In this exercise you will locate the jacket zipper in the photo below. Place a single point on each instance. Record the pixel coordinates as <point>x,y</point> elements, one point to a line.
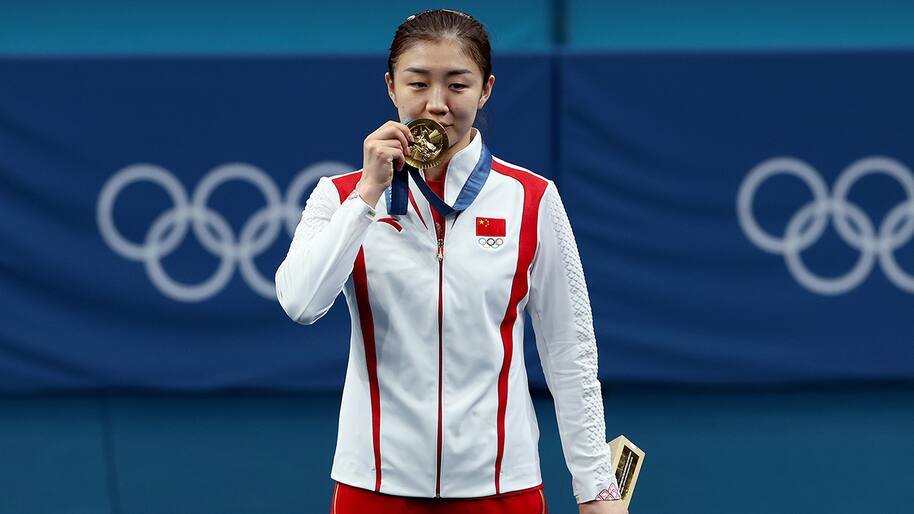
<point>440,353</point>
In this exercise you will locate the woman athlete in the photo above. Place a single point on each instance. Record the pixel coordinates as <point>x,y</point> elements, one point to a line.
<point>436,415</point>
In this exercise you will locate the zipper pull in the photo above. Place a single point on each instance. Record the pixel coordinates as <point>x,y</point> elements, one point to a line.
<point>440,250</point>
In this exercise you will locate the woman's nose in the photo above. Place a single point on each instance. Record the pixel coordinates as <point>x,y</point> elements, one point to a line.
<point>437,102</point>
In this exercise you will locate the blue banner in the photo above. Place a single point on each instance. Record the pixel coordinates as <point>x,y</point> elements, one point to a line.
<point>145,205</point>
<point>742,218</point>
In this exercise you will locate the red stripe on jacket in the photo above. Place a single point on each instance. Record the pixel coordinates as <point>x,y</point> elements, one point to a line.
<point>416,208</point>
<point>534,188</point>
<point>344,185</point>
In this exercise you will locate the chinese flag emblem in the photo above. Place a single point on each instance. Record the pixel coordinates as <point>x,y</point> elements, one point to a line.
<point>490,227</point>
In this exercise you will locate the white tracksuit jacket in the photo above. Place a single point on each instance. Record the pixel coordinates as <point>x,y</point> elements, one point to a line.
<point>436,401</point>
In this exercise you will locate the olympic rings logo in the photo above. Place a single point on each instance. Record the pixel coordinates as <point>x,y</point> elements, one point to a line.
<point>210,228</point>
<point>807,225</point>
<point>491,242</point>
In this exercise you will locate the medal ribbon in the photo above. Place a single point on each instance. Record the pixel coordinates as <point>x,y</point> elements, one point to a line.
<point>398,192</point>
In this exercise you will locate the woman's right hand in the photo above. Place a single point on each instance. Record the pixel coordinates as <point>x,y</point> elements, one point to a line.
<point>382,150</point>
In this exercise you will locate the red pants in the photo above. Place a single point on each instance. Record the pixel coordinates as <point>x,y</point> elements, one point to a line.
<point>353,500</point>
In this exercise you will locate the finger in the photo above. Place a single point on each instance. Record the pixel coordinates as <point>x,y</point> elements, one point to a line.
<point>397,131</point>
<point>402,127</point>
<point>392,145</point>
<point>395,155</point>
<point>382,147</point>
<point>397,158</point>
<point>408,133</point>
<point>389,129</point>
<point>398,161</point>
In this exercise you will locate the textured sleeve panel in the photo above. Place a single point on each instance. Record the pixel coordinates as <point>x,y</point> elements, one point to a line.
<point>323,251</point>
<point>565,339</point>
<point>318,210</point>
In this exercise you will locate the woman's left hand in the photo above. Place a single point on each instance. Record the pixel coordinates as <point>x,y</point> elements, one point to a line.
<point>603,507</point>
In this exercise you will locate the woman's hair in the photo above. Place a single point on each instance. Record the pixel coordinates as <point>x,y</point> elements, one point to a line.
<point>440,24</point>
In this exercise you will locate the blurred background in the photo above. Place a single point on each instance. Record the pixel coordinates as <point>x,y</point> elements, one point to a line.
<point>738,176</point>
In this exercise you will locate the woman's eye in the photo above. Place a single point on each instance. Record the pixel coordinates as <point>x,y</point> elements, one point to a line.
<point>423,84</point>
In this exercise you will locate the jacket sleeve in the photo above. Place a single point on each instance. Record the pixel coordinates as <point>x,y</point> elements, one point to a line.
<point>324,248</point>
<point>559,307</point>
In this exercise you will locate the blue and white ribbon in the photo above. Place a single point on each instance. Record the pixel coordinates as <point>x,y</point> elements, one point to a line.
<point>398,192</point>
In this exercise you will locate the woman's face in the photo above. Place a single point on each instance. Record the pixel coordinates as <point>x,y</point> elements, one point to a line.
<point>436,80</point>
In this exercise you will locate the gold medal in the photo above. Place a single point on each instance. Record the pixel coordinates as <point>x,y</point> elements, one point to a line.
<point>427,151</point>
